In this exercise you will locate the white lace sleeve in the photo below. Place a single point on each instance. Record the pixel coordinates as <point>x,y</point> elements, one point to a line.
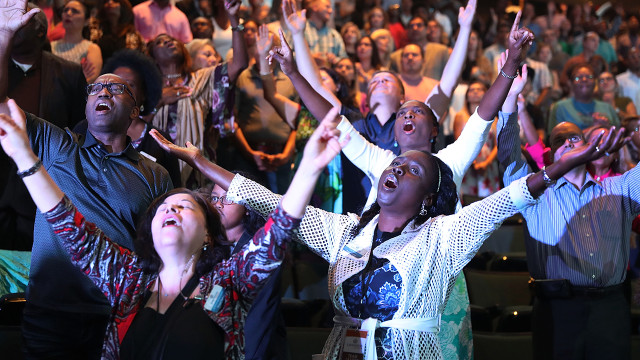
<point>363,154</point>
<point>464,232</point>
<point>323,232</point>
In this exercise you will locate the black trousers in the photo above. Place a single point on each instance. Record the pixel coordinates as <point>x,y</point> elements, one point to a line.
<point>62,335</point>
<point>582,327</point>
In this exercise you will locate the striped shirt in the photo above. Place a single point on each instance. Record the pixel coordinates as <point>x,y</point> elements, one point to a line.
<point>577,234</point>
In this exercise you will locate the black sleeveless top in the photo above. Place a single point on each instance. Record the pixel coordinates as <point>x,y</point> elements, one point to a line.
<point>184,331</point>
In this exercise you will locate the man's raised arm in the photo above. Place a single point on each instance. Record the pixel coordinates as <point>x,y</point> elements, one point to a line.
<point>13,15</point>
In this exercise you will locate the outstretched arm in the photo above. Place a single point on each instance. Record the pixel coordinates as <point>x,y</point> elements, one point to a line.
<point>296,21</point>
<point>240,57</point>
<point>321,148</point>
<point>285,107</point>
<point>519,42</point>
<point>13,16</point>
<point>15,143</point>
<point>576,157</point>
<point>317,105</point>
<point>453,68</point>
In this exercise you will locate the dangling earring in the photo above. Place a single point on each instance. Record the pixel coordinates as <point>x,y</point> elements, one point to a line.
<point>141,108</point>
<point>205,246</point>
<point>395,143</point>
<point>423,211</point>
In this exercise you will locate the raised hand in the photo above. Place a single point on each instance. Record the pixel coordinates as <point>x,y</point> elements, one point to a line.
<point>283,55</point>
<point>13,133</point>
<point>187,154</point>
<point>264,40</point>
<point>465,15</point>
<point>519,40</point>
<point>596,149</point>
<point>295,20</point>
<point>232,7</point>
<point>14,15</point>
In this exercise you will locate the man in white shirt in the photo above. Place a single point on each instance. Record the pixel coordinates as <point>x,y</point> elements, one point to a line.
<point>629,81</point>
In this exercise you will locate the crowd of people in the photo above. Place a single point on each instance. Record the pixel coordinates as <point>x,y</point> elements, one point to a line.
<point>202,138</point>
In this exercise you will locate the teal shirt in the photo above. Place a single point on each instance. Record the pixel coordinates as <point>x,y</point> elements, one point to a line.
<point>579,114</point>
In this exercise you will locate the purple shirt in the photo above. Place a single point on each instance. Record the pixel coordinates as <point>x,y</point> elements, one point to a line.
<point>151,20</point>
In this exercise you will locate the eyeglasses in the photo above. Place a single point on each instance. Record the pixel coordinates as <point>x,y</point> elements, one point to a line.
<point>222,199</point>
<point>583,78</point>
<point>113,88</point>
<point>604,79</point>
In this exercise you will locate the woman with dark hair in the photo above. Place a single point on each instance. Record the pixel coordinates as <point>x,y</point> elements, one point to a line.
<point>73,46</point>
<point>368,61</point>
<point>264,322</point>
<point>115,29</point>
<point>391,271</point>
<point>346,68</point>
<point>188,97</point>
<point>176,296</point>
<point>375,19</point>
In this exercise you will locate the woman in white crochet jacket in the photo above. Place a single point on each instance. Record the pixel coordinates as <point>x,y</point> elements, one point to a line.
<point>403,252</point>
<point>390,271</point>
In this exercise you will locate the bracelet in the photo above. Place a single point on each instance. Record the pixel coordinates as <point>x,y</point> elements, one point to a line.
<point>547,180</point>
<point>32,170</point>
<point>508,76</point>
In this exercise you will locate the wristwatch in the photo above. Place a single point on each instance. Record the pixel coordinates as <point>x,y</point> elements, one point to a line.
<point>240,27</point>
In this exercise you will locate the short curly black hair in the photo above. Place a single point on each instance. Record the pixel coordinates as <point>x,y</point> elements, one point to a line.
<point>146,68</point>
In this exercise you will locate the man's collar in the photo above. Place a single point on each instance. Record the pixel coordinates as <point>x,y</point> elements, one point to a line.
<point>129,151</point>
<point>26,68</point>
<point>587,180</point>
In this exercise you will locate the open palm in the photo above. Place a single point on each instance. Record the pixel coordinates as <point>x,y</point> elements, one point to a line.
<point>264,40</point>
<point>13,15</point>
<point>187,154</point>
<point>465,15</point>
<point>295,20</point>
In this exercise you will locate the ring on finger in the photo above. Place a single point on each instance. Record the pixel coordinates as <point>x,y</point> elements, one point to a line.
<point>597,149</point>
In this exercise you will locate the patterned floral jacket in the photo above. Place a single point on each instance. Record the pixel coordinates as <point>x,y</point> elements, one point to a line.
<point>116,272</point>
